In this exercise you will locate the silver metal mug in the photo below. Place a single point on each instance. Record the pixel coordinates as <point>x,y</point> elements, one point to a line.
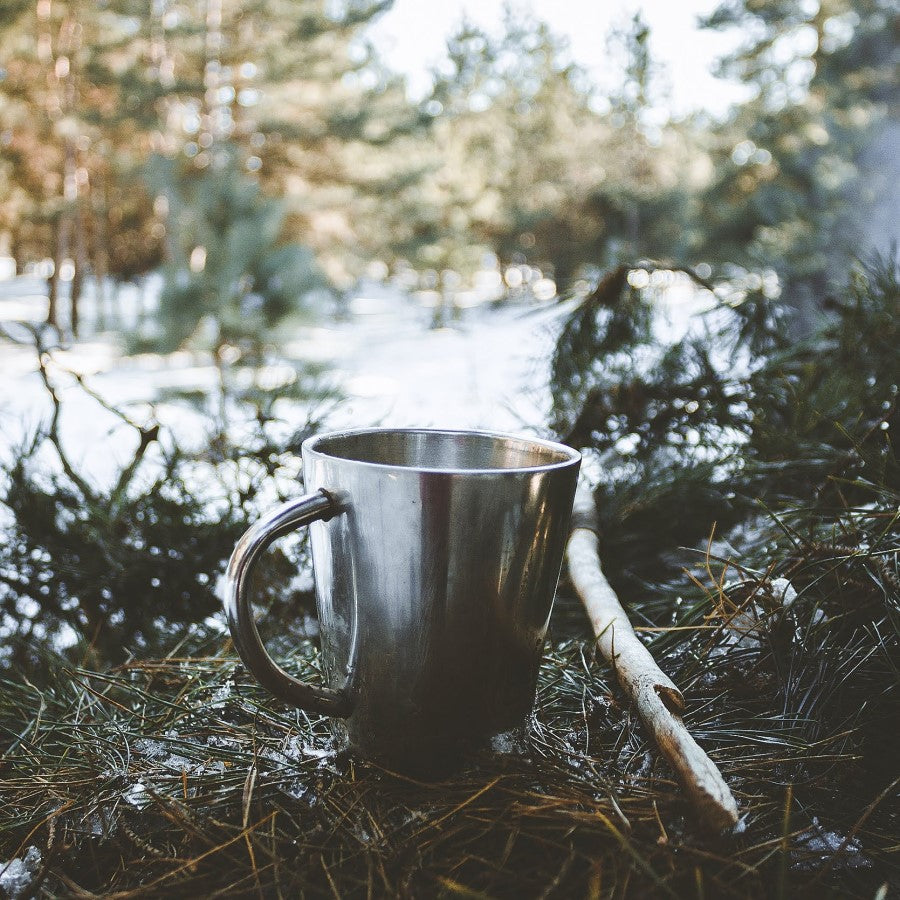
<point>436,556</point>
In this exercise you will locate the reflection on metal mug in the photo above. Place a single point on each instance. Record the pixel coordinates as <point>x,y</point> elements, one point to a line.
<point>436,556</point>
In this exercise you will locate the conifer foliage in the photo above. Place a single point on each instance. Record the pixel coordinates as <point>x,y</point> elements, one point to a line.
<point>229,266</point>
<point>101,570</point>
<point>734,418</point>
<point>748,493</point>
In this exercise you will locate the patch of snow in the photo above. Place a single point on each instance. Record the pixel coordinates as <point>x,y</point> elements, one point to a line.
<point>138,795</point>
<point>784,591</point>
<point>222,743</point>
<point>222,695</point>
<point>510,743</point>
<point>816,845</point>
<point>297,790</point>
<point>297,749</point>
<point>746,628</point>
<point>176,762</point>
<point>18,875</point>
<point>150,749</point>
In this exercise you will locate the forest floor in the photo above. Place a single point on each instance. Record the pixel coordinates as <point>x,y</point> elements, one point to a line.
<point>177,776</point>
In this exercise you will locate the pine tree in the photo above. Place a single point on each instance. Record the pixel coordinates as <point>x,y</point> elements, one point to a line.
<point>530,167</point>
<point>306,103</point>
<point>229,267</point>
<point>732,422</point>
<point>292,86</point>
<point>653,164</point>
<point>42,141</point>
<point>789,190</point>
<point>80,115</point>
<point>554,158</point>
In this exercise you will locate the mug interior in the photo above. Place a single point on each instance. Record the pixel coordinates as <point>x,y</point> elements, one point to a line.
<point>444,450</point>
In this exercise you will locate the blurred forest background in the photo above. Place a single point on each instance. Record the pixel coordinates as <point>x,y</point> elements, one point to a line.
<point>196,139</point>
<point>248,166</point>
<point>243,168</point>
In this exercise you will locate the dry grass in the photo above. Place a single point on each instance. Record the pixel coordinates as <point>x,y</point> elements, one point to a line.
<point>179,777</point>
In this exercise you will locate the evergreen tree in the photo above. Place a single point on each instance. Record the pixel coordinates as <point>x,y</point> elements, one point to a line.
<point>43,139</point>
<point>731,421</point>
<point>306,103</point>
<point>292,86</point>
<point>531,167</point>
<point>229,267</point>
<point>554,157</point>
<point>652,165</point>
<point>81,113</point>
<point>439,226</point>
<point>789,190</point>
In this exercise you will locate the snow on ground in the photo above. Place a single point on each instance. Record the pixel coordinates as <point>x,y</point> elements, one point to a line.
<point>486,370</point>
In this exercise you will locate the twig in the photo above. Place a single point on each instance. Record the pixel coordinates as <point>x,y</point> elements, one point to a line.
<point>147,434</point>
<point>53,428</point>
<point>658,701</point>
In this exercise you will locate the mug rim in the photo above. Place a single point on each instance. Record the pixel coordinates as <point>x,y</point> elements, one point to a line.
<point>571,456</point>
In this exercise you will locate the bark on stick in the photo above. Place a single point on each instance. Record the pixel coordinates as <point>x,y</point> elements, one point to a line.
<point>658,701</point>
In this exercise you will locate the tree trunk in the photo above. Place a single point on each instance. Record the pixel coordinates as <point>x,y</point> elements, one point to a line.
<point>438,316</point>
<point>99,265</point>
<point>81,261</point>
<point>74,299</point>
<point>108,294</point>
<point>60,245</point>
<point>15,250</point>
<point>634,229</point>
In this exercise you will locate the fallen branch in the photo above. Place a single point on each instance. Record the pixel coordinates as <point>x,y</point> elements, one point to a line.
<point>659,703</point>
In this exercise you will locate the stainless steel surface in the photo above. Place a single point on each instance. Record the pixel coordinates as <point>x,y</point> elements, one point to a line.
<point>434,583</point>
<point>238,612</point>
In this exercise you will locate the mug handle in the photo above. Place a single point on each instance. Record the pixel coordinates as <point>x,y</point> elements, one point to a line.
<point>285,518</point>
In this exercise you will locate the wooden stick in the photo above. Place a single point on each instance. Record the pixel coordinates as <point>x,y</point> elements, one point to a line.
<point>658,701</point>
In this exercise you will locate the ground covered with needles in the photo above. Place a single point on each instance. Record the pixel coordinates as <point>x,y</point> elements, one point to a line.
<point>179,777</point>
<point>750,521</point>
